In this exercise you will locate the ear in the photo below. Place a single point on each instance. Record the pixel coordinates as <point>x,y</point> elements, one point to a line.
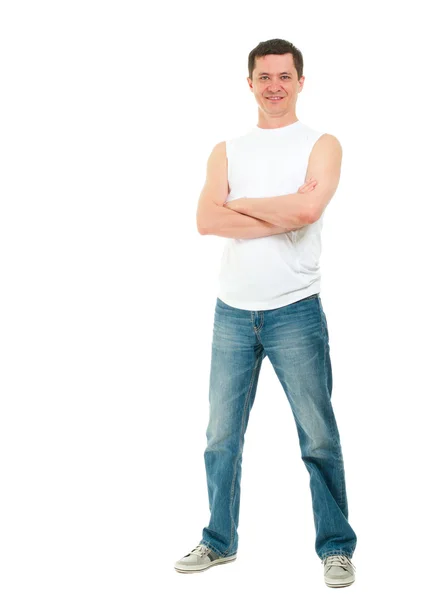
<point>324,165</point>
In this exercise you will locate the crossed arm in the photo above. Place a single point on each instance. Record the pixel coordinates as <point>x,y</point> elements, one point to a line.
<point>289,211</point>
<point>235,224</point>
<point>293,211</point>
<point>240,223</point>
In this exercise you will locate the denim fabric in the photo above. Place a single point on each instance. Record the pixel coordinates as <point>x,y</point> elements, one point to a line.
<point>295,339</point>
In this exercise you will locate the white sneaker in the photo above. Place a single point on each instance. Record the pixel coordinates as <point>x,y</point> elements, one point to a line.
<point>338,571</point>
<point>200,559</point>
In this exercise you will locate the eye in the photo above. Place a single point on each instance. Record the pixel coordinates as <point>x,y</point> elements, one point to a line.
<point>287,76</point>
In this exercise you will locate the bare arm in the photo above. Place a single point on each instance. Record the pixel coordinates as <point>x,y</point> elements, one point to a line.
<point>289,210</point>
<point>228,223</point>
<point>213,218</point>
<point>324,167</point>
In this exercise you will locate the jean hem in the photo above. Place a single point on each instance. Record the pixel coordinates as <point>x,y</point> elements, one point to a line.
<point>348,553</point>
<point>211,547</point>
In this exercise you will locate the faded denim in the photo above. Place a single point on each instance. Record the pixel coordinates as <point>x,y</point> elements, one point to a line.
<point>295,339</point>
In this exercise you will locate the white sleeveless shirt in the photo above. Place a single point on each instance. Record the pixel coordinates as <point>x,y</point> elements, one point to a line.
<point>276,270</point>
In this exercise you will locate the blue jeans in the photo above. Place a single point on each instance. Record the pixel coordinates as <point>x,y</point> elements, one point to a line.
<point>295,339</point>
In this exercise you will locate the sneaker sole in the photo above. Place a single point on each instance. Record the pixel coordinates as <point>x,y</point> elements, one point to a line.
<point>218,561</point>
<point>331,583</point>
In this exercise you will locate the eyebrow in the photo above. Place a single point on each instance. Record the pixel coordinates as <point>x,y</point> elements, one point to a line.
<point>284,73</point>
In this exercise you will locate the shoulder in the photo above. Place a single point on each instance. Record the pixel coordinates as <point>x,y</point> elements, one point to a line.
<point>327,140</point>
<point>219,147</point>
<point>218,152</point>
<point>326,147</point>
<point>326,153</point>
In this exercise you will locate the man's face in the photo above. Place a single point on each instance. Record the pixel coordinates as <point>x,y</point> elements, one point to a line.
<point>275,75</point>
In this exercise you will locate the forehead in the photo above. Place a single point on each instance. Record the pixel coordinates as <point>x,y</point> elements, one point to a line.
<point>274,64</point>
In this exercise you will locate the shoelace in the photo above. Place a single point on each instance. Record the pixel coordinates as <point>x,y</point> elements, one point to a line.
<point>338,560</point>
<point>200,550</point>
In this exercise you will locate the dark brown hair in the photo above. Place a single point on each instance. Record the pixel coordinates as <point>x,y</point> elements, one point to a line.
<point>276,46</point>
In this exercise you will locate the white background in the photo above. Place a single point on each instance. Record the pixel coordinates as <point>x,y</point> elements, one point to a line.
<point>109,111</point>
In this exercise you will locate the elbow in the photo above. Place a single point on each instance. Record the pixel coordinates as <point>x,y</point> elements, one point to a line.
<point>202,229</point>
<point>201,222</point>
<point>309,217</point>
<point>199,225</point>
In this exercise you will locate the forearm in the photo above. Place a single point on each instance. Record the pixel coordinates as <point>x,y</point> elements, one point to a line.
<point>232,224</point>
<point>288,211</point>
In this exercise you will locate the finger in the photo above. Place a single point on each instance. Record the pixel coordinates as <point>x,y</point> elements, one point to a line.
<point>308,184</point>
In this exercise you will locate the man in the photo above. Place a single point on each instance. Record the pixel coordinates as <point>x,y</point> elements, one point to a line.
<point>269,305</point>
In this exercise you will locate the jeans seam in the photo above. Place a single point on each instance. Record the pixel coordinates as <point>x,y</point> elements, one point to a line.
<point>348,553</point>
<point>238,454</point>
<point>209,545</point>
<point>338,445</point>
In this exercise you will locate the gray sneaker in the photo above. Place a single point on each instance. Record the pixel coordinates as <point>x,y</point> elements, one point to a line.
<point>339,571</point>
<point>200,559</point>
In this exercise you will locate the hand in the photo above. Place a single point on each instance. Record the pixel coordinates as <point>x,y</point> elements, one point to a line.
<point>307,186</point>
